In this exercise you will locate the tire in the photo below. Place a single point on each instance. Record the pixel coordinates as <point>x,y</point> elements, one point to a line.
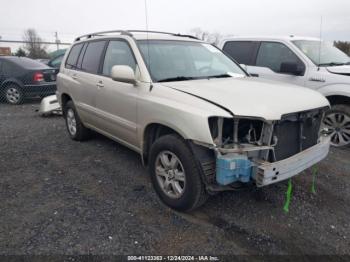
<point>76,130</point>
<point>336,124</point>
<point>179,171</point>
<point>13,94</point>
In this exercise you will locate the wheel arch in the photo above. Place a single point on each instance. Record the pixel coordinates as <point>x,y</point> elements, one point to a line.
<point>12,81</point>
<point>151,133</point>
<point>64,99</point>
<point>338,100</point>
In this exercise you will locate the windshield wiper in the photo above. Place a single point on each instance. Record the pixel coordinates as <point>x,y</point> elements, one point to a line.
<point>331,64</point>
<point>219,76</point>
<point>177,78</point>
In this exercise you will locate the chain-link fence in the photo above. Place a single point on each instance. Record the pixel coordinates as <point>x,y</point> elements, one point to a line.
<point>23,78</point>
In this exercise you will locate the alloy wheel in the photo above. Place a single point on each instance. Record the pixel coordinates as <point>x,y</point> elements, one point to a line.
<point>13,95</point>
<point>71,122</point>
<point>170,174</point>
<point>337,126</point>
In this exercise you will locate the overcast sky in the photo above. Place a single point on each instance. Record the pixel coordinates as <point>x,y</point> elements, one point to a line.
<point>229,17</point>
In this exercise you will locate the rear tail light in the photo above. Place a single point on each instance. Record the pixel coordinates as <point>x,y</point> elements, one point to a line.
<point>38,77</point>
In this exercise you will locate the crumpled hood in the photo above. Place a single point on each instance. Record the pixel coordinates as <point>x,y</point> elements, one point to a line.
<point>253,97</point>
<point>341,70</point>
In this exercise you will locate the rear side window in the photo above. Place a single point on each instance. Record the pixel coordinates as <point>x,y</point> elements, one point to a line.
<point>92,56</point>
<point>80,59</point>
<point>273,54</point>
<point>118,53</point>
<point>73,56</point>
<point>244,52</point>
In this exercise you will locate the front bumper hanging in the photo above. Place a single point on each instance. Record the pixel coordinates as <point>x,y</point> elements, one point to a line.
<point>270,173</point>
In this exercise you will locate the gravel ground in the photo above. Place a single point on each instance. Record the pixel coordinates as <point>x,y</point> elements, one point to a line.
<point>64,197</point>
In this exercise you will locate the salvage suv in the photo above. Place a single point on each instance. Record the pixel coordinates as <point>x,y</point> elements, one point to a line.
<point>199,122</point>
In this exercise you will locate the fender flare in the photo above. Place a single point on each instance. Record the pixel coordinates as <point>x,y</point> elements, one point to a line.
<point>13,81</point>
<point>335,90</point>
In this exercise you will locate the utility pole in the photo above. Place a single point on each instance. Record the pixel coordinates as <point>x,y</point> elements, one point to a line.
<point>57,41</point>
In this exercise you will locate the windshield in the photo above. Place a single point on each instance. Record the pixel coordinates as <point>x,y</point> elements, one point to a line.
<point>325,54</point>
<point>183,60</point>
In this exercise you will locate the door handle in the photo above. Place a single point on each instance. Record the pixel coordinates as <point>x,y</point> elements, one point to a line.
<point>75,77</point>
<point>254,75</point>
<point>100,84</point>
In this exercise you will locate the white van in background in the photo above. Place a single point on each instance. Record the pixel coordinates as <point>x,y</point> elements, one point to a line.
<point>303,61</point>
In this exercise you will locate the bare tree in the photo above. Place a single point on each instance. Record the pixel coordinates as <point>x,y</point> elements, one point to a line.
<point>344,46</point>
<point>33,45</point>
<point>211,37</point>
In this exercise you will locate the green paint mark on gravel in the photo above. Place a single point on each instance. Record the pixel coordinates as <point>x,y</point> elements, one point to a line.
<point>288,196</point>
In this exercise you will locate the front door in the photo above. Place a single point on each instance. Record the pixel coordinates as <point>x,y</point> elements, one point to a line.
<point>116,101</point>
<point>269,59</point>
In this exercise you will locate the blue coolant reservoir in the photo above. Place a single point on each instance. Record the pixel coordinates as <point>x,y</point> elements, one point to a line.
<point>233,167</point>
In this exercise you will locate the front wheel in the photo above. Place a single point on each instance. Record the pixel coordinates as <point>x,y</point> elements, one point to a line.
<point>336,124</point>
<point>175,175</point>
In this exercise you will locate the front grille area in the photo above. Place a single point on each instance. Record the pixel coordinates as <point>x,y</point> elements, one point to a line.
<point>296,132</point>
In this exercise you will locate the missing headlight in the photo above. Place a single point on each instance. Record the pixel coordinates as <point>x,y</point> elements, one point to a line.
<point>223,130</point>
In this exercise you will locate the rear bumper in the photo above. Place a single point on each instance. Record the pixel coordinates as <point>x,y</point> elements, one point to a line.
<point>270,173</point>
<point>42,89</point>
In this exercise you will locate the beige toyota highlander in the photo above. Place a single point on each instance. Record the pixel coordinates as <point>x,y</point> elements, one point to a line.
<point>199,121</point>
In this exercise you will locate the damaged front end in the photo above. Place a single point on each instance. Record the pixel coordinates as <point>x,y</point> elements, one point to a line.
<point>249,150</point>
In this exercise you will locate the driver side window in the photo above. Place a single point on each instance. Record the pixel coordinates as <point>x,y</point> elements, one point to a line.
<point>118,53</point>
<point>273,54</point>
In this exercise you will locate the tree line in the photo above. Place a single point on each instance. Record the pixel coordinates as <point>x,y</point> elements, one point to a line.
<point>33,47</point>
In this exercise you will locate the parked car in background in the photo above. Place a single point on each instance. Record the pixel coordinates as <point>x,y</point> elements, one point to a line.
<point>302,61</point>
<point>22,77</point>
<point>56,61</point>
<point>43,60</point>
<point>56,58</point>
<point>199,122</point>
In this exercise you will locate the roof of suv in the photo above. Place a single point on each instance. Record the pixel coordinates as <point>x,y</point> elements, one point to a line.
<point>164,37</point>
<point>138,35</point>
<point>271,38</point>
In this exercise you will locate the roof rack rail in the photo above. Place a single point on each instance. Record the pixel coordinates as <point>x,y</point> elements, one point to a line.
<point>129,33</point>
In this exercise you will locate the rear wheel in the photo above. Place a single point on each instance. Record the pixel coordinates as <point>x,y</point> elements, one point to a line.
<point>336,124</point>
<point>76,130</point>
<point>13,94</point>
<point>175,175</point>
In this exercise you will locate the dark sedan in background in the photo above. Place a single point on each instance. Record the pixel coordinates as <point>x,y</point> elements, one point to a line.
<point>22,77</point>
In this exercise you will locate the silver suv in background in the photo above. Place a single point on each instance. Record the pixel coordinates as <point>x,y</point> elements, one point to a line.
<point>199,122</point>
<point>302,61</point>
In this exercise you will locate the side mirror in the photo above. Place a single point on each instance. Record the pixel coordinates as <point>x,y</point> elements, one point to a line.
<point>123,73</point>
<point>290,68</point>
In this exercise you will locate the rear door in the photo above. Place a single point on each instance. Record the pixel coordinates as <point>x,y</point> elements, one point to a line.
<point>116,102</point>
<point>268,63</point>
<point>84,74</point>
